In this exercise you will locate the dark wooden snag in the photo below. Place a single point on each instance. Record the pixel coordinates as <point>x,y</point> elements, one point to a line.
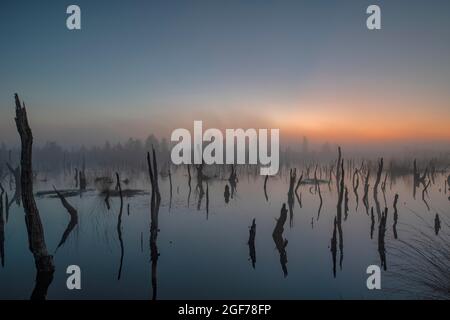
<point>43,260</point>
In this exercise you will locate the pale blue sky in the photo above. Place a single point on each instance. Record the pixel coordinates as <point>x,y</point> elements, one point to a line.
<point>150,66</point>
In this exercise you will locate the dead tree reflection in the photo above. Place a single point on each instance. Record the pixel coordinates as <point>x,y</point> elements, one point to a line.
<point>207,200</point>
<point>333,247</point>
<point>226,194</point>
<point>233,180</point>
<point>265,188</point>
<point>375,188</point>
<point>366,191</point>
<point>381,241</point>
<point>372,223</point>
<point>437,224</point>
<point>73,218</point>
<point>2,228</point>
<point>339,215</point>
<point>424,191</point>
<point>280,242</point>
<point>119,226</point>
<point>355,183</point>
<point>417,178</point>
<point>189,184</point>
<point>251,243</point>
<point>154,212</point>
<point>299,196</point>
<point>394,228</point>
<point>292,180</point>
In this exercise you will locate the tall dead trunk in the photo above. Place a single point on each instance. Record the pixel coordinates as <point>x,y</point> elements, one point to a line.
<point>43,260</point>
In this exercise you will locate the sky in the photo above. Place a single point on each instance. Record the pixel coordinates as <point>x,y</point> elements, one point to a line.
<point>310,68</point>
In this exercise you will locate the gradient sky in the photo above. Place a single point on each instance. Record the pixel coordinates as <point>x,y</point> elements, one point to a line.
<point>307,67</point>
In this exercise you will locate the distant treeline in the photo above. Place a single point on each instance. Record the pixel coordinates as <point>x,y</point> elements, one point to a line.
<point>53,157</point>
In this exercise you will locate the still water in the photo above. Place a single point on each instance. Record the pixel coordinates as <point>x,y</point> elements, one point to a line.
<point>204,252</point>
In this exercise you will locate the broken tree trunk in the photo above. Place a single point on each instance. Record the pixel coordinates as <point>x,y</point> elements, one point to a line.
<point>43,261</point>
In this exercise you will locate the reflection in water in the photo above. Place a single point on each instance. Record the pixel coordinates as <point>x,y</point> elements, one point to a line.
<point>372,223</point>
<point>346,204</point>
<point>333,247</point>
<point>254,206</point>
<point>73,218</point>
<point>43,281</point>
<point>375,188</point>
<point>265,188</point>
<point>2,228</point>
<point>381,235</point>
<point>437,224</point>
<point>226,194</point>
<point>233,180</point>
<point>207,200</point>
<point>251,243</point>
<point>281,243</point>
<point>154,212</point>
<point>424,191</point>
<point>189,184</point>
<point>119,226</point>
<point>417,178</point>
<point>299,196</point>
<point>339,215</point>
<point>355,182</point>
<point>292,179</point>
<point>394,228</point>
<point>7,206</point>
<point>366,191</point>
<point>170,188</point>
<point>201,194</point>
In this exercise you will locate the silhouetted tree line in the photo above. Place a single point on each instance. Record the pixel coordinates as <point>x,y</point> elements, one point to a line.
<point>52,157</point>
